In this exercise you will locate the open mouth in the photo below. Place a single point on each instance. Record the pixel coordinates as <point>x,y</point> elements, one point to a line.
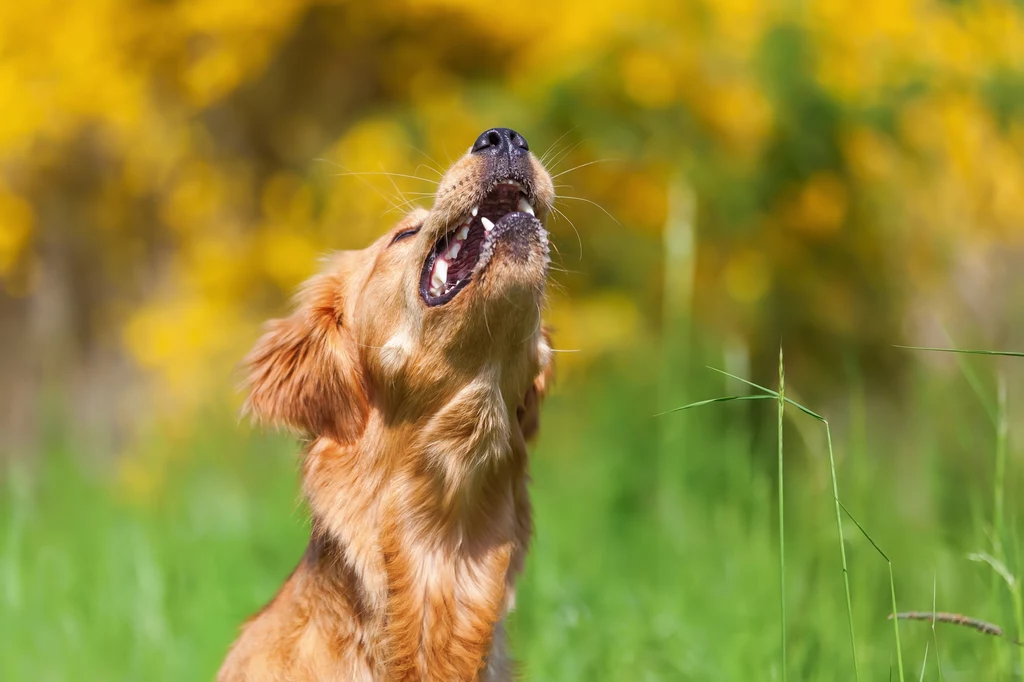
<point>465,250</point>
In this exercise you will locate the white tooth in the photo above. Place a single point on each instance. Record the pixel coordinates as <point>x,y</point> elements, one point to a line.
<point>441,270</point>
<point>476,209</point>
<point>488,225</point>
<point>463,233</point>
<point>524,206</point>
<point>453,252</point>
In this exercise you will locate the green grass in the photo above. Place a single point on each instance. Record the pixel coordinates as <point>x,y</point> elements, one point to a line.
<point>621,584</point>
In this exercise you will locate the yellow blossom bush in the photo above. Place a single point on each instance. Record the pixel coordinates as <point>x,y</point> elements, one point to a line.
<point>175,169</point>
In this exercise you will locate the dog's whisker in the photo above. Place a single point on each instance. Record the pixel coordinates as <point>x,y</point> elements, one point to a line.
<point>371,173</point>
<point>348,171</point>
<point>551,147</point>
<point>593,203</point>
<point>582,165</point>
<point>436,167</point>
<point>566,218</point>
<point>563,155</point>
<point>428,167</point>
<point>394,184</point>
<point>382,195</point>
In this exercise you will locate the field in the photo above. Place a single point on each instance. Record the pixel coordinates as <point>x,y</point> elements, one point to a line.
<point>837,177</point>
<point>656,555</point>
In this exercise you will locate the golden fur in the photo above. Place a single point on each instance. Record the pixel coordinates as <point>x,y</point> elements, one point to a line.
<point>415,470</point>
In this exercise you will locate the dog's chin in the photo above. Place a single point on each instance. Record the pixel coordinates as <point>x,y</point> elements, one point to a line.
<point>515,273</point>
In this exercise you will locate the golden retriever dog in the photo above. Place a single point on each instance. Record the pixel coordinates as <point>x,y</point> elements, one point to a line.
<point>414,368</point>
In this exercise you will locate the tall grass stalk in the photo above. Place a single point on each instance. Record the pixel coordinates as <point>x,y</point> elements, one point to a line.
<point>842,552</point>
<point>782,525</point>
<point>1013,584</point>
<point>998,562</point>
<point>1018,615</point>
<point>780,396</point>
<point>999,482</point>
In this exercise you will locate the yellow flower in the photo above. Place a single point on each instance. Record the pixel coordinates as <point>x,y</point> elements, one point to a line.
<point>16,221</point>
<point>747,276</point>
<point>819,207</point>
<point>648,79</point>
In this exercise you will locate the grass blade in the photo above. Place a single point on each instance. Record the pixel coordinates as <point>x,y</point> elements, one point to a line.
<point>724,399</point>
<point>935,639</point>
<point>1016,595</point>
<point>770,392</point>
<point>997,566</point>
<point>965,351</point>
<point>842,549</point>
<point>999,482</point>
<point>895,622</point>
<point>782,525</point>
<point>969,374</point>
<point>892,587</point>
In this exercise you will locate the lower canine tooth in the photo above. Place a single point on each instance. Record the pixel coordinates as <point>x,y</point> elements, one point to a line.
<point>524,206</point>
<point>488,225</point>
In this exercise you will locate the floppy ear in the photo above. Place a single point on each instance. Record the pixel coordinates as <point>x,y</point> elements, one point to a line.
<point>304,371</point>
<point>529,412</point>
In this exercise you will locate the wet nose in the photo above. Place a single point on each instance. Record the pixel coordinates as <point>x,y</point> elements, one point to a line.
<point>501,142</point>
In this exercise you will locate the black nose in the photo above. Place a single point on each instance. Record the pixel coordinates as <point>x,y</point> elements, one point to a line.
<point>501,141</point>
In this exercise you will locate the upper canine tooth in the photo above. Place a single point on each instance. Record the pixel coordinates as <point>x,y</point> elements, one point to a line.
<point>525,206</point>
<point>441,270</point>
<point>488,225</point>
<point>476,209</point>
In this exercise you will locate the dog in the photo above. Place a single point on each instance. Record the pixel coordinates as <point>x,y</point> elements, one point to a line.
<point>415,369</point>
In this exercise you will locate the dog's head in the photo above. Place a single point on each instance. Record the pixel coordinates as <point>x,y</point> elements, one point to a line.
<point>447,297</point>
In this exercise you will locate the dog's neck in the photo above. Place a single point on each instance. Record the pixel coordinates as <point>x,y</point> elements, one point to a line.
<point>430,522</point>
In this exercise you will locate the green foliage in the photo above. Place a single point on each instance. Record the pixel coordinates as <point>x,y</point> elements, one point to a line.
<point>620,584</point>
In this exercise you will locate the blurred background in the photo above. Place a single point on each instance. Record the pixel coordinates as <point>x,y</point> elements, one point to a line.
<point>834,177</point>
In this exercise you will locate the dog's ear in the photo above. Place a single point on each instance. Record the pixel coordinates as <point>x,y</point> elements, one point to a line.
<point>529,412</point>
<point>304,372</point>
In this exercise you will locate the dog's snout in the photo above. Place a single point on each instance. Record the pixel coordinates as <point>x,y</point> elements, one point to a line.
<point>501,142</point>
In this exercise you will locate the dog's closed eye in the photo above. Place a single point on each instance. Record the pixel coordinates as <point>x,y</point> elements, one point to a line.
<point>406,233</point>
